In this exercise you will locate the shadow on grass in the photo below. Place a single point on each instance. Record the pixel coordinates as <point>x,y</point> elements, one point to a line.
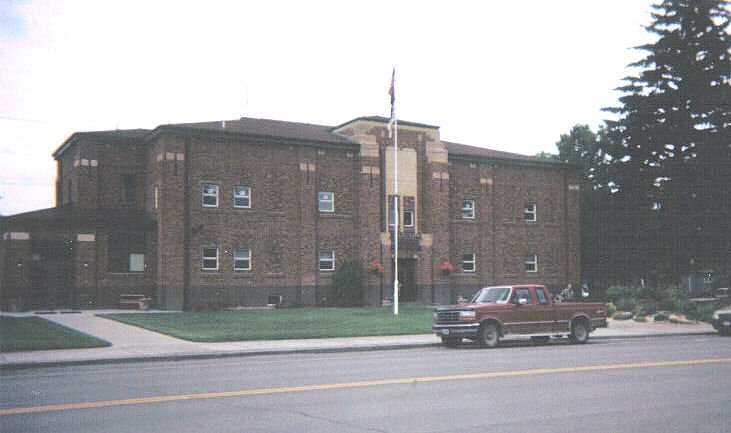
<point>18,334</point>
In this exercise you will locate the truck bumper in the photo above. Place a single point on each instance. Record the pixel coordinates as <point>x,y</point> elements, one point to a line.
<point>464,330</point>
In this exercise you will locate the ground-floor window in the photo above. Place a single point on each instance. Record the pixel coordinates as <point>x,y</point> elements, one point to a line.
<point>242,259</point>
<point>209,259</point>
<point>531,263</point>
<point>327,260</point>
<point>468,262</point>
<point>126,252</point>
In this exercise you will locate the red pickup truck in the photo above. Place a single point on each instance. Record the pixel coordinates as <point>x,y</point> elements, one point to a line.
<point>527,310</point>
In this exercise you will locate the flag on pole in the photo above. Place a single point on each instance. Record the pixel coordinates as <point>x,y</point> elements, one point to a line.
<point>392,93</point>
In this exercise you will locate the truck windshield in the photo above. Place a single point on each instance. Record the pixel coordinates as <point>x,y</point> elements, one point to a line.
<point>491,295</point>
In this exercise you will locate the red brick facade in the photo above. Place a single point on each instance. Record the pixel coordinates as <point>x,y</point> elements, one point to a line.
<point>223,214</point>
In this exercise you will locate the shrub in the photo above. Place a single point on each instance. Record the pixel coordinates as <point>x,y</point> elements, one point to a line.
<point>348,285</point>
<point>625,298</point>
<point>611,309</point>
<point>661,316</point>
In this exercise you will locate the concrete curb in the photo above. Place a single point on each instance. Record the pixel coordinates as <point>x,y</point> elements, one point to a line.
<point>301,350</point>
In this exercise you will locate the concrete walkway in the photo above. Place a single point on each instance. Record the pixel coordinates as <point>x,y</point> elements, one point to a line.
<point>130,343</point>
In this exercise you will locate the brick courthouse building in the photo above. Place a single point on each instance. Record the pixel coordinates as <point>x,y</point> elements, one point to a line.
<point>228,213</point>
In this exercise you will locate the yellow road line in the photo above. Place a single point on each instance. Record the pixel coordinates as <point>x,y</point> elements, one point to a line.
<point>359,384</point>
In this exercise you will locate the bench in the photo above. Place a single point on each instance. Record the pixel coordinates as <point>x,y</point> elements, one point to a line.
<point>132,299</point>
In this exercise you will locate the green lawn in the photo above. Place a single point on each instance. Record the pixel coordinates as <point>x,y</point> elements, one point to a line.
<point>270,324</point>
<point>33,333</point>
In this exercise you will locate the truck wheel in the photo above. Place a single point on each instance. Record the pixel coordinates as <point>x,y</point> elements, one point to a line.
<point>451,342</point>
<point>579,332</point>
<point>489,336</point>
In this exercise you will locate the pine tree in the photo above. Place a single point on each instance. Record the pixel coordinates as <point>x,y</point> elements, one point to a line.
<point>671,157</point>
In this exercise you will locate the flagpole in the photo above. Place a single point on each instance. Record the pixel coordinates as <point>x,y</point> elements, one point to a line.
<point>396,217</point>
<point>396,213</point>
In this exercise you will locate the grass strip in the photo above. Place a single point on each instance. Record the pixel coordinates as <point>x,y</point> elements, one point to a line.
<point>278,324</point>
<point>34,333</point>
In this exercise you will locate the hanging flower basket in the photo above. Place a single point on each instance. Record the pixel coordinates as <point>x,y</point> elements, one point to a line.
<point>376,267</point>
<point>446,268</point>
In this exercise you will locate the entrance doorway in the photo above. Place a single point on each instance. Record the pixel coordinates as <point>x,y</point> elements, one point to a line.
<point>407,280</point>
<point>50,275</point>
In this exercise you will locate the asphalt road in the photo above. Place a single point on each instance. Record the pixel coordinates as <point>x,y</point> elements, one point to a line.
<point>669,384</point>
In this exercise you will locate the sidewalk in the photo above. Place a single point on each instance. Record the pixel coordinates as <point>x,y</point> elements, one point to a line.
<point>130,343</point>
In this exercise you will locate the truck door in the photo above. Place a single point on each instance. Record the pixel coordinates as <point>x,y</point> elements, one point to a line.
<point>521,315</point>
<point>545,314</point>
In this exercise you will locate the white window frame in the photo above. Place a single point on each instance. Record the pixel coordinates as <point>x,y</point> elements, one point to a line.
<point>323,258</point>
<point>242,255</point>
<point>205,258</point>
<point>468,209</point>
<point>410,221</point>
<point>531,263</point>
<point>238,190</point>
<point>530,212</point>
<point>469,262</point>
<point>326,201</point>
<point>205,194</point>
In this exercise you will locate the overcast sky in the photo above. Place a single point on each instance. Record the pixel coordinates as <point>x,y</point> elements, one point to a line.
<point>506,75</point>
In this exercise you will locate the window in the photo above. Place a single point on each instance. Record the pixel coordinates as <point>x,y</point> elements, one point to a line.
<point>242,259</point>
<point>468,262</point>
<point>521,294</point>
<point>210,259</point>
<point>126,252</point>
<point>326,202</point>
<point>210,195</point>
<point>136,262</point>
<point>529,212</point>
<point>531,263</point>
<point>327,260</point>
<point>127,188</point>
<point>468,209</point>
<point>542,298</point>
<point>408,218</point>
<point>242,197</point>
<point>156,198</point>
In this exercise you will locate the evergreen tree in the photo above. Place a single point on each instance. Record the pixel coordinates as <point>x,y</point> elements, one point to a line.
<point>670,149</point>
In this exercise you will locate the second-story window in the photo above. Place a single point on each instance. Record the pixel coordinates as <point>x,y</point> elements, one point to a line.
<point>326,201</point>
<point>468,209</point>
<point>529,212</point>
<point>210,195</point>
<point>242,197</point>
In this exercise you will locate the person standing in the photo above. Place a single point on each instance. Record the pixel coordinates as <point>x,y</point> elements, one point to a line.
<point>567,294</point>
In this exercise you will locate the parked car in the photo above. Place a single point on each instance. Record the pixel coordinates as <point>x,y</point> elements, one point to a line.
<point>526,310</point>
<point>721,320</point>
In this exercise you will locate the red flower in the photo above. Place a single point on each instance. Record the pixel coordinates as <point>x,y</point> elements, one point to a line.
<point>376,267</point>
<point>446,267</point>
